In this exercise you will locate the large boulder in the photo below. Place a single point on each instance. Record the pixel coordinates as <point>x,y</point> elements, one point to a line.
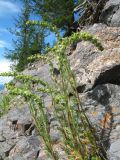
<point>93,67</point>
<point>98,83</point>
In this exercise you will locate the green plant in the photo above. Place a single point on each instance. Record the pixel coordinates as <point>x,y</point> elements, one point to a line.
<point>79,138</point>
<point>4,103</point>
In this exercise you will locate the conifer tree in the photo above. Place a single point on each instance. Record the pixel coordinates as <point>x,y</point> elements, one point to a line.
<point>57,12</point>
<point>30,39</point>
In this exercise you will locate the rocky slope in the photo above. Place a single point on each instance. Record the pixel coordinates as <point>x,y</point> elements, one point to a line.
<point>98,80</point>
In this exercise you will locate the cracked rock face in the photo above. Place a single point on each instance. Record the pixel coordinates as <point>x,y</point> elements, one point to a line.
<point>103,108</point>
<point>98,80</point>
<point>93,67</point>
<point>14,142</point>
<point>111,13</point>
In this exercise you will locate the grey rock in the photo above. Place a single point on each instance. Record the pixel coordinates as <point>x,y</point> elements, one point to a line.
<point>26,148</point>
<point>2,138</point>
<point>14,143</point>
<point>111,13</point>
<point>54,135</point>
<point>115,150</point>
<point>98,79</point>
<point>103,109</point>
<point>43,156</point>
<point>93,67</point>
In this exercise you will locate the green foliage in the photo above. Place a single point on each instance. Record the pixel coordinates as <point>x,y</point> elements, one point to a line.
<point>57,12</point>
<point>29,39</point>
<point>4,103</point>
<point>78,137</point>
<point>45,24</point>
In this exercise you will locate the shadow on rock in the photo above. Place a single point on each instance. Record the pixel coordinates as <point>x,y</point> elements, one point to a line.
<point>102,94</point>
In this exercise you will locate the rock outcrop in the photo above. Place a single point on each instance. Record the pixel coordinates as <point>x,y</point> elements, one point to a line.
<point>111,13</point>
<point>17,135</point>
<point>98,84</point>
<point>93,67</point>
